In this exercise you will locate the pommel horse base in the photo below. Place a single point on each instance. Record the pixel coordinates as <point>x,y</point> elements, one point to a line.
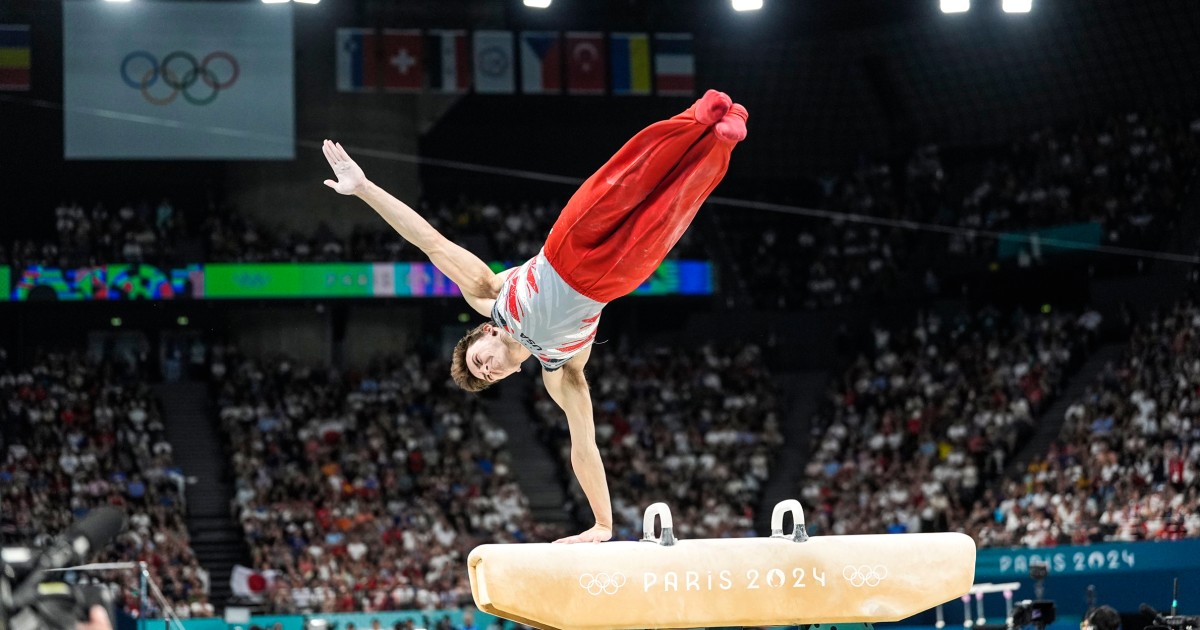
<point>660,582</point>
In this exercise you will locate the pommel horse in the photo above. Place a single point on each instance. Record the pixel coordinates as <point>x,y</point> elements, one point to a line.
<point>662,582</point>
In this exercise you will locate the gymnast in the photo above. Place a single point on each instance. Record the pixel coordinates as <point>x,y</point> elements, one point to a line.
<point>613,233</point>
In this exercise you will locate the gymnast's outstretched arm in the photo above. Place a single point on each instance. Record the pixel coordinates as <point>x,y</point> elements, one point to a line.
<point>476,281</point>
<point>568,387</point>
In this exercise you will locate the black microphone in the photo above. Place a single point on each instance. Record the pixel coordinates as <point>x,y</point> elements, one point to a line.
<point>96,530</point>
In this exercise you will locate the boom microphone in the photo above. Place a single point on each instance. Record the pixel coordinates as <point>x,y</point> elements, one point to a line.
<point>80,540</point>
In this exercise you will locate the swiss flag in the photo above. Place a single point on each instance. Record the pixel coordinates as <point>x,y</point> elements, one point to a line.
<point>585,58</point>
<point>403,60</point>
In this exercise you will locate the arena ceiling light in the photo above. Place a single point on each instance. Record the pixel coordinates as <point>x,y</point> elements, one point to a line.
<point>537,4</point>
<point>276,1</point>
<point>747,5</point>
<point>956,6</point>
<point>1017,6</point>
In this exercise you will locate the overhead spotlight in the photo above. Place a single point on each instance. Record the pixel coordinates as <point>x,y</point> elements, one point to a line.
<point>1017,6</point>
<point>537,4</point>
<point>747,5</point>
<point>276,1</point>
<point>308,1</point>
<point>956,6</point>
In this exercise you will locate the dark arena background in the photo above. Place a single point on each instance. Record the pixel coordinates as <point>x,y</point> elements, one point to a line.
<point>948,284</point>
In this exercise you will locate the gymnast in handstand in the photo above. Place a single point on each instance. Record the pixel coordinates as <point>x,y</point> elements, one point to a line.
<point>613,233</point>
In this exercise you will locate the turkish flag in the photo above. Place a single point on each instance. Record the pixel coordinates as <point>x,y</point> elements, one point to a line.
<point>403,60</point>
<point>586,68</point>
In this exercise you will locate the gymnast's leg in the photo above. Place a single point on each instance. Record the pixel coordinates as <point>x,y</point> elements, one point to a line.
<point>621,223</point>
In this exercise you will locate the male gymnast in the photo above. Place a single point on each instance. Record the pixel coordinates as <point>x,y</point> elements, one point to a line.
<point>614,232</point>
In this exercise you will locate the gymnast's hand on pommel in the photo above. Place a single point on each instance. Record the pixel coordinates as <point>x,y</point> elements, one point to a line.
<point>350,178</point>
<point>598,533</point>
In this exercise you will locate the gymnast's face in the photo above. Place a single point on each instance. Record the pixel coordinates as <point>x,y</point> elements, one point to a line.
<point>489,357</point>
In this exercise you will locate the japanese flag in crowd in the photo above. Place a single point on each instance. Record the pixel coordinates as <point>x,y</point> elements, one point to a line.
<point>403,60</point>
<point>586,72</point>
<point>448,61</point>
<point>541,62</point>
<point>674,65</point>
<point>357,60</point>
<point>250,584</point>
<point>494,72</point>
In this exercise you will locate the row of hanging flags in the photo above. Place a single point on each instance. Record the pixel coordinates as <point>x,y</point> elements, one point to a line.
<point>507,62</point>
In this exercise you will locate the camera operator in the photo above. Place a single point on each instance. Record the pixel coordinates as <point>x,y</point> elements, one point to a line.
<point>1101,618</point>
<point>97,620</point>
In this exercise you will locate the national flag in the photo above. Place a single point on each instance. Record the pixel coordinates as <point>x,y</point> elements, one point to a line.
<point>14,57</point>
<point>357,60</point>
<point>249,584</point>
<point>674,64</point>
<point>403,60</point>
<point>586,68</point>
<point>630,57</point>
<point>448,61</point>
<point>541,62</point>
<point>494,72</point>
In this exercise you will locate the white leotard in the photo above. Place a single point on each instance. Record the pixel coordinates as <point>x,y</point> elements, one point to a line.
<point>544,314</point>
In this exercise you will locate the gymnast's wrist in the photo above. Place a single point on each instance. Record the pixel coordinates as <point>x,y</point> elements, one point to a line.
<point>603,526</point>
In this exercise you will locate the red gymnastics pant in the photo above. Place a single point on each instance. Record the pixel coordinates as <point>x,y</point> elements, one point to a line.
<point>620,225</point>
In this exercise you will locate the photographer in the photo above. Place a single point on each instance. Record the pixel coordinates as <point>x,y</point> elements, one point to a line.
<point>97,620</point>
<point>1101,618</point>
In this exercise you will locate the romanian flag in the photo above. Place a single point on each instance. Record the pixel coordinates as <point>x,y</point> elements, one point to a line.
<point>629,56</point>
<point>14,56</point>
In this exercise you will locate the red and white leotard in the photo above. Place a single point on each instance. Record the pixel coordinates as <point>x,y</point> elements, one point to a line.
<point>544,314</point>
<point>617,228</point>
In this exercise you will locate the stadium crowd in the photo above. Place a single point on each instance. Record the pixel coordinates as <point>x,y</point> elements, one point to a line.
<point>1127,464</point>
<point>364,491</point>
<point>78,433</point>
<point>697,429</point>
<point>1126,173</point>
<point>915,429</point>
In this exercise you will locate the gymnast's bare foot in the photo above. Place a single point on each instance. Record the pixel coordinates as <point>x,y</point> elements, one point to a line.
<point>732,127</point>
<point>711,107</point>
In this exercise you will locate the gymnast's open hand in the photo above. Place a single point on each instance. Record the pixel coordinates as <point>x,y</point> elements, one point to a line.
<point>350,178</point>
<point>598,533</point>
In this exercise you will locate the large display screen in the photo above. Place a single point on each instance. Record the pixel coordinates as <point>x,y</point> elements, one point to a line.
<point>177,80</point>
<point>219,281</point>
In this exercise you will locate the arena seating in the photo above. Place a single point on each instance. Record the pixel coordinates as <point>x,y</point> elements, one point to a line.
<point>914,430</point>
<point>79,433</point>
<point>1127,465</point>
<point>365,491</point>
<point>695,428</point>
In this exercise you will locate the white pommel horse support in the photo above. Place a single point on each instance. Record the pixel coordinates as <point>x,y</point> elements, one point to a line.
<point>662,582</point>
<point>979,590</point>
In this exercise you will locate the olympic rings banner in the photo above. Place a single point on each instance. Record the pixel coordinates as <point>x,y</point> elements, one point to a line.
<point>219,281</point>
<point>177,80</point>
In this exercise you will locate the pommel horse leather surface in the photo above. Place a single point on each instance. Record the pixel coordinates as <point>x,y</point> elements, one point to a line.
<point>721,582</point>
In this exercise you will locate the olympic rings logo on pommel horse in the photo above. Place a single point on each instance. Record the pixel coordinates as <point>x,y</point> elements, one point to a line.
<point>602,583</point>
<point>181,72</point>
<point>864,575</point>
